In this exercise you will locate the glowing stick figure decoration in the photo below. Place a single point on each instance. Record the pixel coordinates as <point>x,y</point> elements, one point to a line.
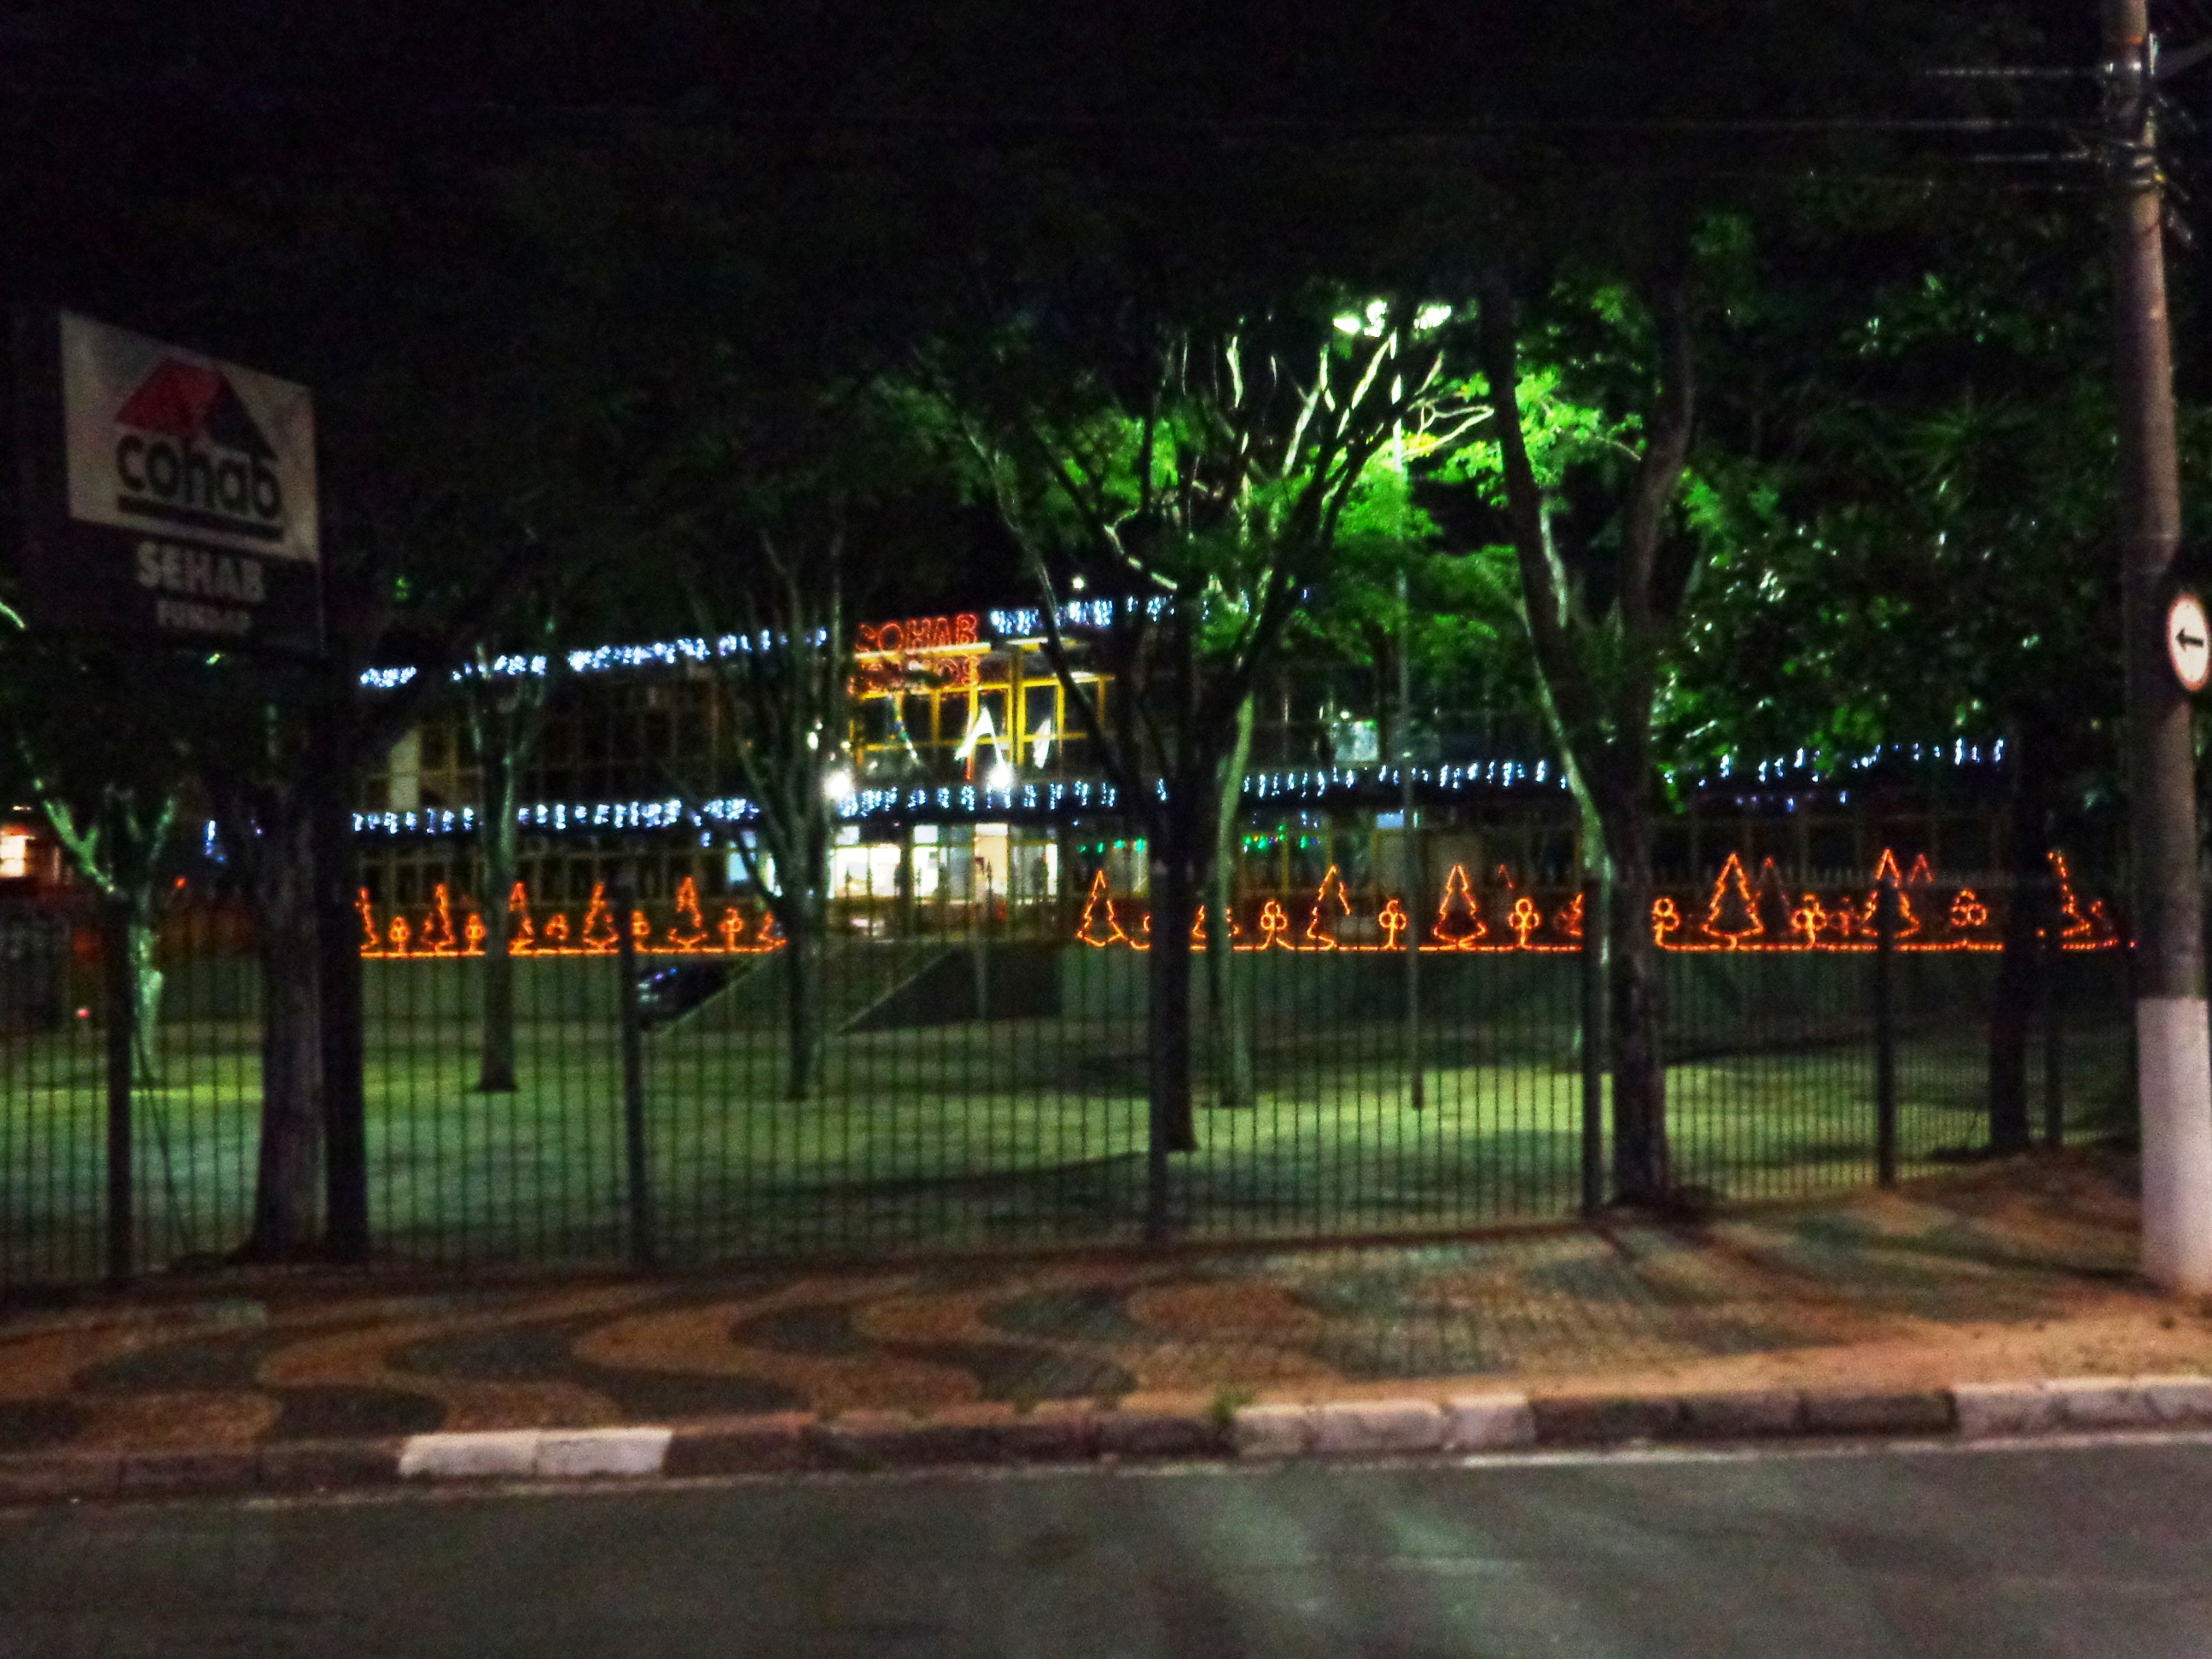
<point>1809,918</point>
<point>1394,920</point>
<point>1524,920</point>
<point>1666,918</point>
<point>1968,912</point>
<point>732,924</point>
<point>1273,924</point>
<point>520,935</point>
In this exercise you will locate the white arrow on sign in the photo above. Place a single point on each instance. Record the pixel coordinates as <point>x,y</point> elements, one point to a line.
<point>2189,642</point>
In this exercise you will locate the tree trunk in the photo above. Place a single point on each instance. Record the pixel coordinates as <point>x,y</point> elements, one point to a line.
<point>342,1015</point>
<point>803,917</point>
<point>1175,904</point>
<point>144,941</point>
<point>286,1180</point>
<point>1642,1164</point>
<point>2012,1010</point>
<point>1226,1003</point>
<point>497,848</point>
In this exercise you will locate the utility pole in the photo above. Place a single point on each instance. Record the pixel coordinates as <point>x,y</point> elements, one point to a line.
<point>2174,1054</point>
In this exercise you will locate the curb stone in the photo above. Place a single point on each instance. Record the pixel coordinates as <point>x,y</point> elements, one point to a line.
<point>1411,1425</point>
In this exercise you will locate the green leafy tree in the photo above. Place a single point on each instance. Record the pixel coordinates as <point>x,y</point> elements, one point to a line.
<point>1194,476</point>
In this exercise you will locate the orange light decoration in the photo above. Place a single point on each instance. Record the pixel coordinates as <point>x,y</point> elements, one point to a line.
<point>1320,926</point>
<point>521,936</point>
<point>1733,915</point>
<point>1098,930</point>
<point>1569,921</point>
<point>689,931</point>
<point>437,936</point>
<point>599,932</point>
<point>1459,924</point>
<point>1908,923</point>
<point>1737,918</point>
<point>1197,927</point>
<point>2078,927</point>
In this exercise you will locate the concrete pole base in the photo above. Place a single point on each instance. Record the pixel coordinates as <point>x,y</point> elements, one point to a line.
<point>2175,1090</point>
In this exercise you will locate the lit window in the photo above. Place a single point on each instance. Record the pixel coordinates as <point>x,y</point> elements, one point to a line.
<point>15,855</point>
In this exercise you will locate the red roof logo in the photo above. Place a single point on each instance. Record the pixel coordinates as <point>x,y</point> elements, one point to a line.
<point>186,402</point>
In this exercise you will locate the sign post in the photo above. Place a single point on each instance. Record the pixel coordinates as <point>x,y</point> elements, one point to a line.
<point>168,497</point>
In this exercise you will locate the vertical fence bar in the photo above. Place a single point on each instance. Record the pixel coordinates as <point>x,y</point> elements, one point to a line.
<point>638,1185</point>
<point>2054,1016</point>
<point>1592,1011</point>
<point>1884,1032</point>
<point>122,999</point>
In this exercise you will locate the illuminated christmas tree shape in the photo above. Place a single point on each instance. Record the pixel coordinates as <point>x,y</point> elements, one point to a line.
<point>1099,928</point>
<point>1809,918</point>
<point>1320,926</point>
<point>599,932</point>
<point>1922,874</point>
<point>438,925</point>
<point>1771,900</point>
<point>1459,924</point>
<point>1733,913</point>
<point>1666,918</point>
<point>688,932</point>
<point>2074,925</point>
<point>1274,923</point>
<point>1569,921</point>
<point>1968,912</point>
<point>1524,920</point>
<point>369,941</point>
<point>1197,927</point>
<point>1393,921</point>
<point>731,926</point>
<point>521,935</point>
<point>1908,921</point>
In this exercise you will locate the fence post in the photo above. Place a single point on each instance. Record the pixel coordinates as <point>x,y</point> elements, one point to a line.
<point>2054,1015</point>
<point>1593,987</point>
<point>633,1073</point>
<point>1885,1031</point>
<point>122,1011</point>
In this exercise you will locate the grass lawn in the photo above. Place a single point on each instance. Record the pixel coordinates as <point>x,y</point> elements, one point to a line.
<point>965,1133</point>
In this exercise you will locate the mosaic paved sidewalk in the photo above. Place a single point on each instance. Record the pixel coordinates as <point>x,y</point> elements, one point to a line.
<point>2001,1271</point>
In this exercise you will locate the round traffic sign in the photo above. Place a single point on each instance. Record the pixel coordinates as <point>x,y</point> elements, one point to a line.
<point>2189,642</point>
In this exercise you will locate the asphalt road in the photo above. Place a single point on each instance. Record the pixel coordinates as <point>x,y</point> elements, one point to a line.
<point>2085,1550</point>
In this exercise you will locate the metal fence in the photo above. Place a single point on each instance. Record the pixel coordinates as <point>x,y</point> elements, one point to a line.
<point>980,1074</point>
